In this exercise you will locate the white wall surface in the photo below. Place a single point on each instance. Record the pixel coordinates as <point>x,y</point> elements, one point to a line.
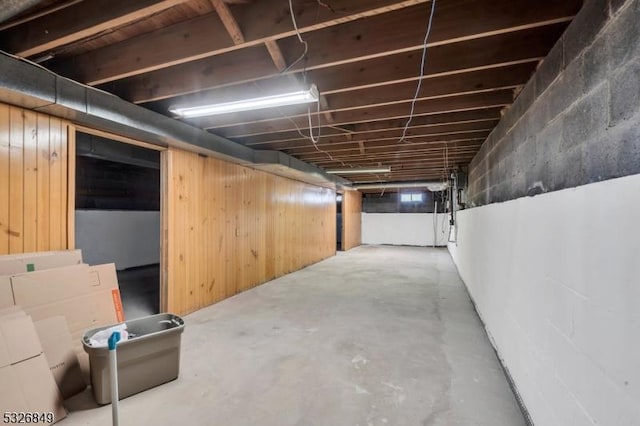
<point>128,238</point>
<point>409,229</point>
<point>556,279</point>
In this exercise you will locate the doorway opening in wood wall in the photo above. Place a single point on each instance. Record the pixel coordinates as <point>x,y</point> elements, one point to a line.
<point>117,215</point>
<point>339,222</point>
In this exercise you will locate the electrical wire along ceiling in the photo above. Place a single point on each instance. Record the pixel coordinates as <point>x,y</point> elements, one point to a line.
<point>407,91</point>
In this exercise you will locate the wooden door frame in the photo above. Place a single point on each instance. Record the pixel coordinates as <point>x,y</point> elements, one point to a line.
<point>163,196</point>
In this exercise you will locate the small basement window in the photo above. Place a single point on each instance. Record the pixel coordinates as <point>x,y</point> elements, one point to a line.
<point>411,198</point>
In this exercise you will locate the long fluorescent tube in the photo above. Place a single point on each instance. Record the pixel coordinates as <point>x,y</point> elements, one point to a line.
<point>432,186</point>
<point>359,170</point>
<point>291,98</point>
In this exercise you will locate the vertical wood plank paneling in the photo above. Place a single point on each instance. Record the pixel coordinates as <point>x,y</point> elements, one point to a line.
<point>179,239</point>
<point>16,180</point>
<point>44,158</point>
<point>351,219</point>
<point>4,178</point>
<point>55,189</point>
<point>165,249</point>
<point>230,228</point>
<point>64,193</point>
<point>70,157</point>
<point>30,182</point>
<point>35,171</point>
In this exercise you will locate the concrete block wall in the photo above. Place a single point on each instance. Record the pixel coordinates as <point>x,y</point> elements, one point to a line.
<point>549,251</point>
<point>555,280</point>
<point>577,121</point>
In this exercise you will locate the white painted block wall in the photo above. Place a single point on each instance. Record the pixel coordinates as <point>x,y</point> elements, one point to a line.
<point>128,238</point>
<point>409,229</point>
<point>556,279</point>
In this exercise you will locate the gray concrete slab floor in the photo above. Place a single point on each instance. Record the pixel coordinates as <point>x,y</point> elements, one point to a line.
<point>378,335</point>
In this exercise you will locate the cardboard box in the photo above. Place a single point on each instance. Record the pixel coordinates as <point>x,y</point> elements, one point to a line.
<point>6,293</point>
<point>27,262</point>
<point>87,296</point>
<point>26,381</point>
<point>60,355</point>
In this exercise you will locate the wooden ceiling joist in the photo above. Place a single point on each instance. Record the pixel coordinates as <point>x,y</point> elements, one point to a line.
<point>434,122</point>
<point>82,20</point>
<point>200,38</point>
<point>391,134</point>
<point>255,65</point>
<point>363,55</point>
<point>435,106</point>
<point>229,22</point>
<point>434,147</point>
<point>391,142</point>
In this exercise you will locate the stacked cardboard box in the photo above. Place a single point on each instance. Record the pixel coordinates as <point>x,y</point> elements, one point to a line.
<point>65,298</point>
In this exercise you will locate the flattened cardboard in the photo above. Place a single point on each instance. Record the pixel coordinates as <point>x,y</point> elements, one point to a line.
<point>27,262</point>
<point>28,386</point>
<point>43,287</point>
<point>18,338</point>
<point>6,294</point>
<point>60,355</point>
<point>87,296</point>
<point>27,383</point>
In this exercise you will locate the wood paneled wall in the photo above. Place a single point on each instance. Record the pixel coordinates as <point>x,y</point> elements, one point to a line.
<point>228,228</point>
<point>351,219</point>
<point>34,175</point>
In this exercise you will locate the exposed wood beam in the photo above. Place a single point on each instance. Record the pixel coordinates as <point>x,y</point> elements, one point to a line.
<point>381,149</point>
<point>238,67</point>
<point>380,36</point>
<point>434,122</point>
<point>397,149</point>
<point>326,109</point>
<point>79,21</point>
<point>392,134</point>
<point>361,145</point>
<point>229,22</point>
<point>428,167</point>
<point>396,156</point>
<point>276,55</point>
<point>434,160</point>
<point>281,65</point>
<point>435,106</point>
<point>303,147</point>
<point>200,37</point>
<point>409,154</point>
<point>399,165</point>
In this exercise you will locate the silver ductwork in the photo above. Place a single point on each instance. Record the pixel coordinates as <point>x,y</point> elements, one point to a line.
<point>30,86</point>
<point>11,8</point>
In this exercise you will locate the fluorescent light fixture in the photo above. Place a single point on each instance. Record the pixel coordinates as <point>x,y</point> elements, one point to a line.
<point>359,170</point>
<point>291,98</point>
<point>433,186</point>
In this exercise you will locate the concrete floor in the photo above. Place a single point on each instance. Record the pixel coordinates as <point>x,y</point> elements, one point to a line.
<point>374,336</point>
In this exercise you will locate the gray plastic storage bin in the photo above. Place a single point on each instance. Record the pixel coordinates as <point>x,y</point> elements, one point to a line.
<point>149,358</point>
